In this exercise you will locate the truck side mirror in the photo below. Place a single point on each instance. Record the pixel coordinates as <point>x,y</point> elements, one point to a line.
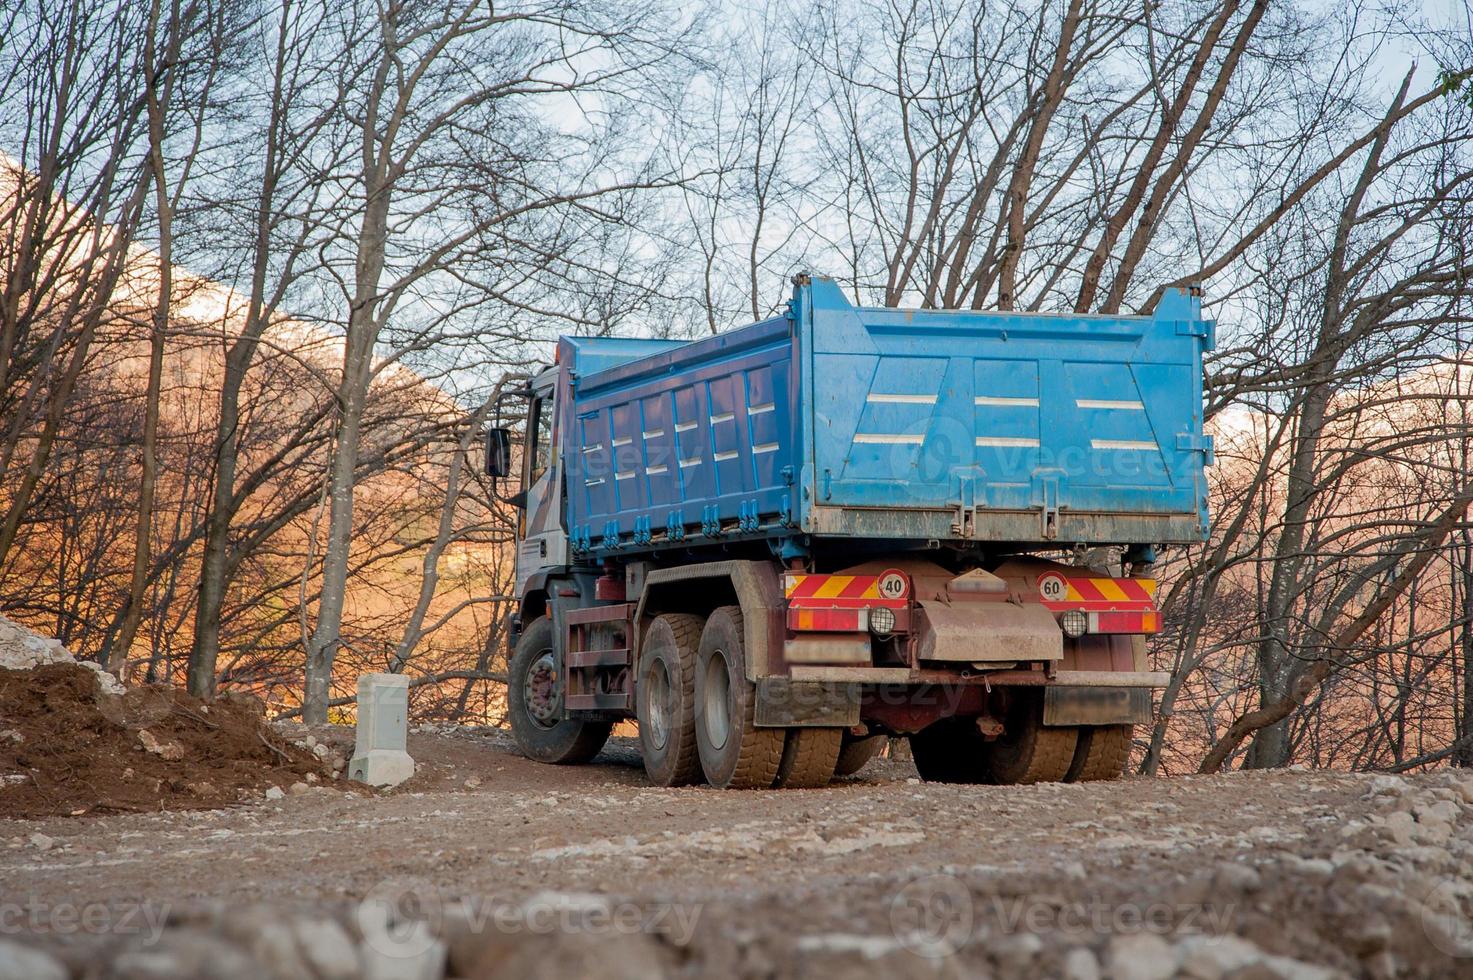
<point>498,452</point>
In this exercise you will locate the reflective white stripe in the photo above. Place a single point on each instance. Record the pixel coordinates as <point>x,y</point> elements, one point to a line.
<point>655,471</point>
<point>1129,406</point>
<point>723,457</point>
<point>685,426</point>
<point>885,439</point>
<point>1121,444</point>
<point>901,399</point>
<point>1005,441</point>
<point>594,483</point>
<point>760,409</point>
<point>654,433</point>
<point>684,463</point>
<point>626,475</point>
<point>594,448</point>
<point>723,417</point>
<point>622,442</point>
<point>1002,402</point>
<point>765,447</point>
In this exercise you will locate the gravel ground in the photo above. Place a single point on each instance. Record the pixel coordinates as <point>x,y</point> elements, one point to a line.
<point>487,865</point>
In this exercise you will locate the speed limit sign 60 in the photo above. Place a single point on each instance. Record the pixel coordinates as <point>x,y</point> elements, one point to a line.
<point>1053,588</point>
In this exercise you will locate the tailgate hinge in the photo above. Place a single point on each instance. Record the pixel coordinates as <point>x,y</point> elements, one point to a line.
<point>965,525</point>
<point>1187,442</point>
<point>1049,507</point>
<point>1206,329</point>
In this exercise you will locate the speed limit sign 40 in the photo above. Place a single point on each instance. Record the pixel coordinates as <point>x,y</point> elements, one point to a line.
<point>892,584</point>
<point>1053,587</point>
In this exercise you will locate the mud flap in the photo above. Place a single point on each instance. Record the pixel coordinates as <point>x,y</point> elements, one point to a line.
<point>786,703</point>
<point>1096,706</point>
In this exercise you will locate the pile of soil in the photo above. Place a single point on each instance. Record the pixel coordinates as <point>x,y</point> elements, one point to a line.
<point>67,747</point>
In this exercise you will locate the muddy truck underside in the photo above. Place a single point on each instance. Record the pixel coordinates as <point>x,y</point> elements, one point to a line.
<point>777,546</point>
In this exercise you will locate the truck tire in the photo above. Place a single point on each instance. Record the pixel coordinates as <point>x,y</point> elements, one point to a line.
<point>1027,752</point>
<point>735,753</point>
<point>534,701</point>
<point>856,752</point>
<point>665,700</point>
<point>1102,754</point>
<point>809,758</point>
<point>950,751</point>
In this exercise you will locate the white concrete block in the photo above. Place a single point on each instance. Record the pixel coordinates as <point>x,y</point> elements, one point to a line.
<point>379,755</point>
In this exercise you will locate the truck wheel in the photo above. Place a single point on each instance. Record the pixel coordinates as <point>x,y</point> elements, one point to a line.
<point>1102,754</point>
<point>534,699</point>
<point>856,753</point>
<point>735,753</point>
<point>665,700</point>
<point>1027,752</point>
<point>950,751</point>
<point>809,757</point>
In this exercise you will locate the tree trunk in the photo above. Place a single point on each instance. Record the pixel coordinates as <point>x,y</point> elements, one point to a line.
<point>156,102</point>
<point>215,563</point>
<point>362,336</point>
<point>1016,201</point>
<point>1463,758</point>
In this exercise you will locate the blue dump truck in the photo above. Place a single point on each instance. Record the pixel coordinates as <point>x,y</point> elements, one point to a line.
<point>778,546</point>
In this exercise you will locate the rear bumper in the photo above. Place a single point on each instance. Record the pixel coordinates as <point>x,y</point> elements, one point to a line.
<point>996,678</point>
<point>902,700</point>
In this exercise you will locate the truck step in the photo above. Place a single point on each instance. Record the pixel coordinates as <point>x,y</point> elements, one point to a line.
<point>612,657</point>
<point>618,701</point>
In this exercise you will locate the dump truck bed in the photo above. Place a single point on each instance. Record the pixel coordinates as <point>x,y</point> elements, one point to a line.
<point>910,426</point>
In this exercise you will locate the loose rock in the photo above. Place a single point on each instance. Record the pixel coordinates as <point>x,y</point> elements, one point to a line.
<point>19,962</point>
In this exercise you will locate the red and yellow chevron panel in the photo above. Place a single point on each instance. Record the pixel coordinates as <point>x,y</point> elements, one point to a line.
<point>1060,591</point>
<point>806,591</point>
<point>1114,605</point>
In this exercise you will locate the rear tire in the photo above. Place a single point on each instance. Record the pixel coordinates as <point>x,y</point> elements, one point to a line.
<point>856,753</point>
<point>665,700</point>
<point>534,698</point>
<point>1027,752</point>
<point>735,753</point>
<point>809,757</point>
<point>1103,752</point>
<point>950,751</point>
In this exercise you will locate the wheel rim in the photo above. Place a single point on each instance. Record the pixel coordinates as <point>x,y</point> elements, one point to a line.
<point>716,711</point>
<point>540,690</point>
<point>659,706</point>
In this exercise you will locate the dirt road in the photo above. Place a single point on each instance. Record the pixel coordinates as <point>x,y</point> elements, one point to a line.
<point>488,865</point>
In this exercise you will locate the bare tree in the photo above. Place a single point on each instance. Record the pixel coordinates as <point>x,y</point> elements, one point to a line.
<point>74,113</point>
<point>423,82</point>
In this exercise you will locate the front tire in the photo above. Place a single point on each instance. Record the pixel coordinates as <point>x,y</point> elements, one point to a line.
<point>534,699</point>
<point>665,700</point>
<point>735,753</point>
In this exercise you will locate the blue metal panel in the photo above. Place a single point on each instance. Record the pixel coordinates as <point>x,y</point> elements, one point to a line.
<point>690,442</point>
<point>590,355</point>
<point>929,411</point>
<point>894,424</point>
